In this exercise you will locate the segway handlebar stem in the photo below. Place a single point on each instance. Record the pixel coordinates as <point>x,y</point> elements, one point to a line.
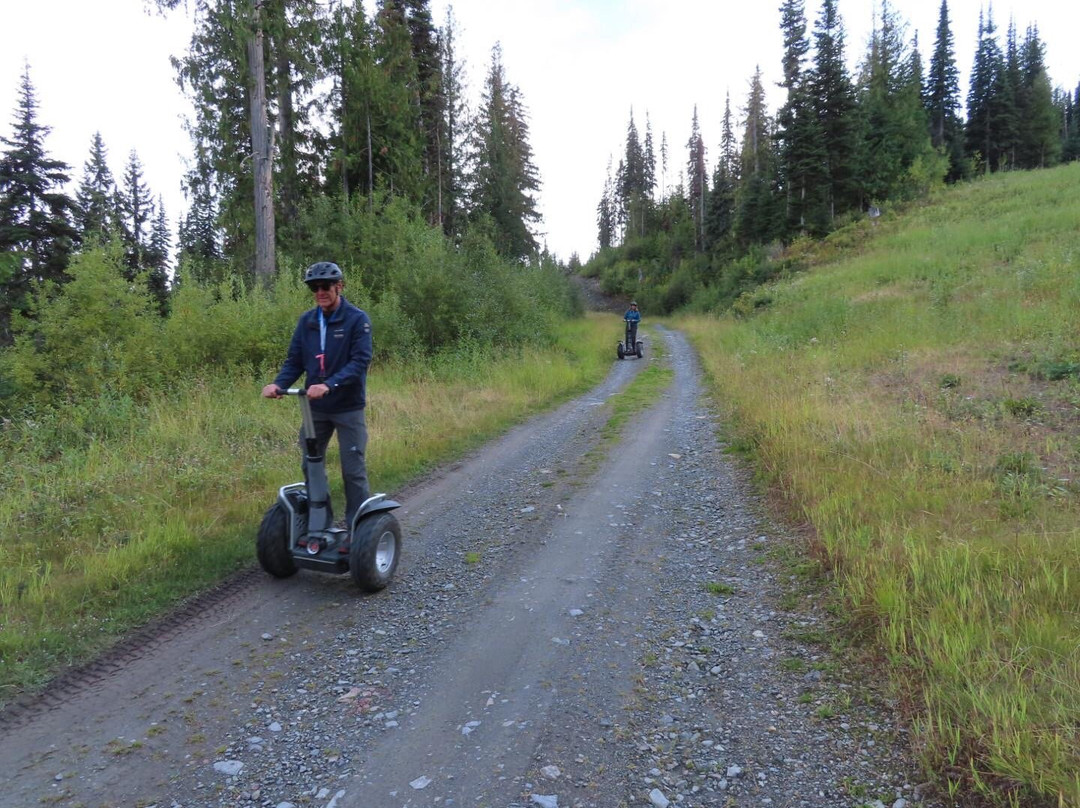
<point>305,410</point>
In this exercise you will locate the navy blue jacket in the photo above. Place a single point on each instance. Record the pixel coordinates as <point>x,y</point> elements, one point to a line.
<point>632,316</point>
<point>343,368</point>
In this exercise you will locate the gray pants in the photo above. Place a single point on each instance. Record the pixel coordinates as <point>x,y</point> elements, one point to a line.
<point>352,441</point>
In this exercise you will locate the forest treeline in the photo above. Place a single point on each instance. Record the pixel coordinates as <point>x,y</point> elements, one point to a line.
<point>841,146</point>
<point>319,132</point>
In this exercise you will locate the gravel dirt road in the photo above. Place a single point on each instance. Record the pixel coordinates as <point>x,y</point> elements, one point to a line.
<point>575,622</point>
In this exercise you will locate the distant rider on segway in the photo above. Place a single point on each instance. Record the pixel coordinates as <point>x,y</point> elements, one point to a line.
<point>632,317</point>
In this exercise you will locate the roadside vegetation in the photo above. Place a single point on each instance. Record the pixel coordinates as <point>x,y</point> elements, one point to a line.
<point>137,456</point>
<point>911,389</point>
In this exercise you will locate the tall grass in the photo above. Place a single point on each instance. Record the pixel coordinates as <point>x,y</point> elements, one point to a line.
<point>112,510</point>
<point>914,395</point>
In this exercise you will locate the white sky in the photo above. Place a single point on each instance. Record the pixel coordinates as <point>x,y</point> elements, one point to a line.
<point>581,66</point>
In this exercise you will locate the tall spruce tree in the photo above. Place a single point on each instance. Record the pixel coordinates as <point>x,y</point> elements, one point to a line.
<point>834,103</point>
<point>605,213</point>
<point>698,181</point>
<point>199,238</point>
<point>398,144</point>
<point>351,64</point>
<point>137,212</point>
<point>95,215</point>
<point>800,148</point>
<point>451,179</point>
<point>156,258</point>
<point>36,231</point>
<point>1069,110</point>
<point>759,211</point>
<point>942,98</point>
<point>633,184</point>
<point>982,133</point>
<point>1038,138</point>
<point>894,123</point>
<point>649,176</point>
<point>505,177</point>
<point>663,166</point>
<point>1007,99</point>
<point>431,100</point>
<point>720,209</point>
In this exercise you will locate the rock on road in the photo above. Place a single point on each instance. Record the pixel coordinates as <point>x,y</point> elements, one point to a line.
<point>575,622</point>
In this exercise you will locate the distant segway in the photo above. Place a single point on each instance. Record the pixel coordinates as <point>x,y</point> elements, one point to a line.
<point>298,530</point>
<point>628,347</point>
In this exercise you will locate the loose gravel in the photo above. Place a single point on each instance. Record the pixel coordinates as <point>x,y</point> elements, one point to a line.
<point>574,623</point>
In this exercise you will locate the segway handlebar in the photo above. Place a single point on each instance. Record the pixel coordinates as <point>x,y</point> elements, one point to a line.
<point>305,412</point>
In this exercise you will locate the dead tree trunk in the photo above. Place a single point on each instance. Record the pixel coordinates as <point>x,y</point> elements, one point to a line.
<point>261,154</point>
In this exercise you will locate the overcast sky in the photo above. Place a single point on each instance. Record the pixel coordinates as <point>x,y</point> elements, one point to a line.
<point>581,66</point>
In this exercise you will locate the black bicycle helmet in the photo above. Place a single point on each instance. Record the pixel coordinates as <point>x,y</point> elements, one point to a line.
<point>323,271</point>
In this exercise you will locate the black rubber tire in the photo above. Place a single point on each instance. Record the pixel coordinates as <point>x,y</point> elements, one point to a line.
<point>272,544</point>
<point>622,353</point>
<point>640,350</point>
<point>375,550</point>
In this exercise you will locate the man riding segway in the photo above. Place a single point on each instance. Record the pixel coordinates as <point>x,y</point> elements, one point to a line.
<point>631,346</point>
<point>332,347</point>
<point>632,317</point>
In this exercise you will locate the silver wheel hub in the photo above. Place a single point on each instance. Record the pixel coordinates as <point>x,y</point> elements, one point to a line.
<point>385,551</point>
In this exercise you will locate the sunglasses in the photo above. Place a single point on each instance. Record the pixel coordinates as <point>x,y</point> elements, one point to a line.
<point>321,286</point>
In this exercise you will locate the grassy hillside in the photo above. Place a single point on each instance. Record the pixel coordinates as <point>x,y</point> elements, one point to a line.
<point>914,394</point>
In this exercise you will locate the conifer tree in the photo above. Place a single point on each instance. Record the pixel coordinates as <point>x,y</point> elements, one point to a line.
<point>431,100</point>
<point>451,180</point>
<point>398,145</point>
<point>351,63</point>
<point>215,75</point>
<point>663,166</point>
<point>95,215</point>
<point>1038,139</point>
<point>156,258</point>
<point>605,213</point>
<point>981,132</point>
<point>800,148</point>
<point>1006,99</point>
<point>137,211</point>
<point>296,35</point>
<point>251,72</point>
<point>199,237</point>
<point>758,210</point>
<point>833,96</point>
<point>634,194</point>
<point>894,123</point>
<point>1069,110</point>
<point>698,181</point>
<point>649,187</point>
<point>36,231</point>
<point>942,97</point>
<point>720,210</point>
<point>504,175</point>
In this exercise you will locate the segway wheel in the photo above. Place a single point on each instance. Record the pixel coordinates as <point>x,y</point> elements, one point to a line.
<point>373,555</point>
<point>272,544</point>
<point>622,353</point>
<point>640,349</point>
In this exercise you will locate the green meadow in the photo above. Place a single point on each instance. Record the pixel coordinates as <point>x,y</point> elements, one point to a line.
<point>912,394</point>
